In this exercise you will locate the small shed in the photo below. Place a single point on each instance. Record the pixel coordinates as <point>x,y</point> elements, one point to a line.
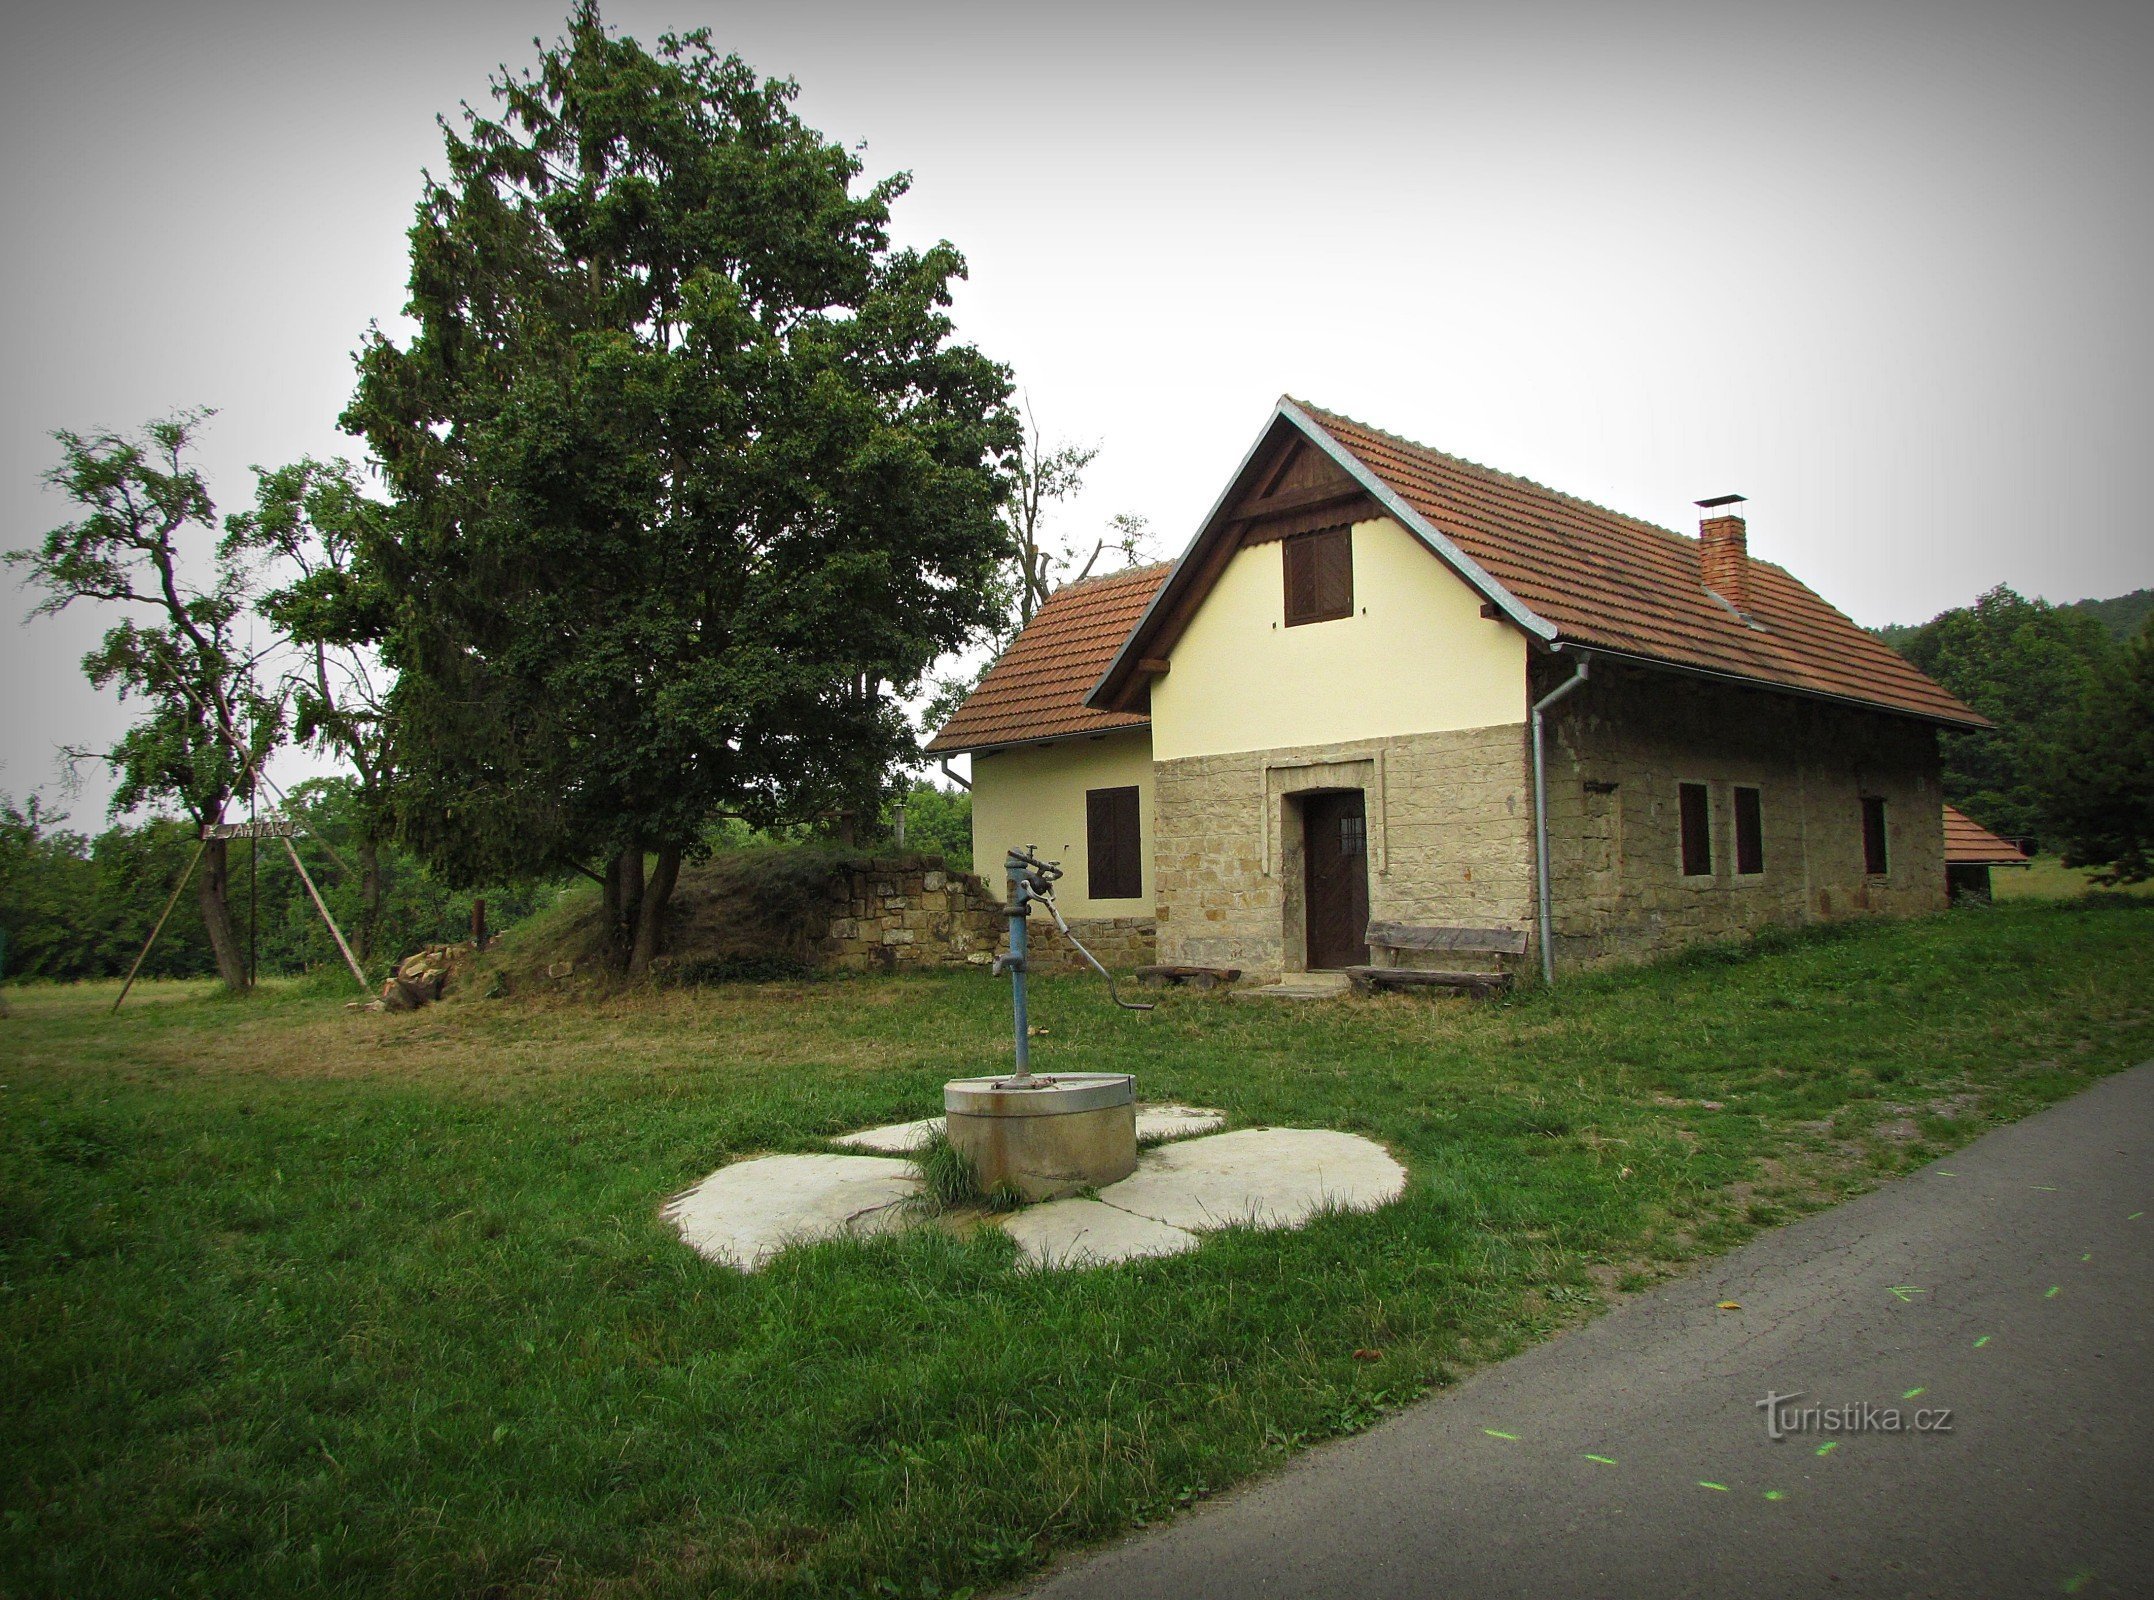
<point>1970,851</point>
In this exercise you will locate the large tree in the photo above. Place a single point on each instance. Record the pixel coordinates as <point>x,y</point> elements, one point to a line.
<point>308,532</point>
<point>144,542</point>
<point>692,482</point>
<point>2101,776</point>
<point>2024,664</point>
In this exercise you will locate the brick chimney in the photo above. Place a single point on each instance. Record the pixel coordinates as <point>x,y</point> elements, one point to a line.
<point>1724,551</point>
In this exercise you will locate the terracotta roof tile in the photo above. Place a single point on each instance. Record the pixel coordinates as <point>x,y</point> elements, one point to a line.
<point>1606,579</point>
<point>1968,843</point>
<point>1037,689</point>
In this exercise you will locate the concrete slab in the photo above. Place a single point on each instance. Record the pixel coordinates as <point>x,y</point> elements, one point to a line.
<point>1272,1177</point>
<point>895,1138</point>
<point>744,1214</point>
<point>1154,1124</point>
<point>1086,1233</point>
<point>1157,1124</point>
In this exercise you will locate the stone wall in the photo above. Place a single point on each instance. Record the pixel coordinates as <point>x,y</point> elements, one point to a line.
<point>1450,824</point>
<point>904,912</point>
<point>1121,943</point>
<point>1619,747</point>
<point>911,912</point>
<point>1450,830</point>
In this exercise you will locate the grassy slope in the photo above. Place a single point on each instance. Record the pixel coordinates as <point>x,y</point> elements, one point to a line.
<point>297,1300</point>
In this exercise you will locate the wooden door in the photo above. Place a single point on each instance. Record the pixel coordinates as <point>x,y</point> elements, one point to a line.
<point>1335,854</point>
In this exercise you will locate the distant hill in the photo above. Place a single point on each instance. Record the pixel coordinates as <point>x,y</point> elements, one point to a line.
<point>2121,618</point>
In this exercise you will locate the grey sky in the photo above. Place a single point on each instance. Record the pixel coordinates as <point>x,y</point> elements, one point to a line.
<point>1882,268</point>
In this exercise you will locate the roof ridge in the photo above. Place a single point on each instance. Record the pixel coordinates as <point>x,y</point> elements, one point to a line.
<point>1494,472</point>
<point>1110,577</point>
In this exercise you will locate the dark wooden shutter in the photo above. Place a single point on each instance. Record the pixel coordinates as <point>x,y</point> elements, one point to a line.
<point>1319,576</point>
<point>1749,832</point>
<point>1873,836</point>
<point>1113,850</point>
<point>1697,821</point>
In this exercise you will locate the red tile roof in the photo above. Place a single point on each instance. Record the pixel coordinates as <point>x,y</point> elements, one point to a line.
<point>1568,570</point>
<point>1037,689</point>
<point>1611,581</point>
<point>1969,844</point>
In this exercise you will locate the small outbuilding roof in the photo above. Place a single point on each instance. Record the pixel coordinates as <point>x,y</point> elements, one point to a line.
<point>1969,844</point>
<point>1036,691</point>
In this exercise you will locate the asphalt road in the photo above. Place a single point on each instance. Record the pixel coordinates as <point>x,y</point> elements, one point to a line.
<point>2012,1283</point>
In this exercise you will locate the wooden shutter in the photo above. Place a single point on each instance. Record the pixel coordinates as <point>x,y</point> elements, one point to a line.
<point>1873,836</point>
<point>1113,850</point>
<point>1749,832</point>
<point>1319,576</point>
<point>1697,821</point>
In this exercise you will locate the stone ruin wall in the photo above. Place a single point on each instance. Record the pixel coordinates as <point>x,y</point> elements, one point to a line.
<point>911,912</point>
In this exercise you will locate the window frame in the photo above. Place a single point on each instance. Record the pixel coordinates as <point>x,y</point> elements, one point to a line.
<point>1108,872</point>
<point>1876,837</point>
<point>1301,554</point>
<point>1701,836</point>
<point>1749,830</point>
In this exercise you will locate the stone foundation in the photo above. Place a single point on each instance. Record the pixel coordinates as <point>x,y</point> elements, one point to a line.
<point>1450,839</point>
<point>1122,944</point>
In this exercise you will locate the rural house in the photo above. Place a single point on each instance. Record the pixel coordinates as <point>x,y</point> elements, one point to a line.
<point>1326,716</point>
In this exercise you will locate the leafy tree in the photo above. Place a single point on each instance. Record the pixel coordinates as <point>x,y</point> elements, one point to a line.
<point>204,722</point>
<point>2025,665</point>
<point>2101,777</point>
<point>939,822</point>
<point>1034,564</point>
<point>75,907</point>
<point>692,483</point>
<point>310,528</point>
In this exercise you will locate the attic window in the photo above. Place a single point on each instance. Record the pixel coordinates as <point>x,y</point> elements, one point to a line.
<point>1319,576</point>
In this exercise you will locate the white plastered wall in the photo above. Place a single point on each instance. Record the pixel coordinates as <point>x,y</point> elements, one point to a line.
<point>1416,656</point>
<point>1034,796</point>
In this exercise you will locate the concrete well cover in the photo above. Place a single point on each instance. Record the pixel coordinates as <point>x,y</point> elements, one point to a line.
<point>746,1213</point>
<point>1272,1177</point>
<point>1154,1123</point>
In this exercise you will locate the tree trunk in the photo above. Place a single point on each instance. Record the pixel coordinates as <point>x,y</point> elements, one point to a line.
<point>651,914</point>
<point>369,900</point>
<point>624,904</point>
<point>213,894</point>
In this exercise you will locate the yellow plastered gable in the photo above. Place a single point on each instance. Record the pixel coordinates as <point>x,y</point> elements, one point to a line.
<point>1416,656</point>
<point>1034,797</point>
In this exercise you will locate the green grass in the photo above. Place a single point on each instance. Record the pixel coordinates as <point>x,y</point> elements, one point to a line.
<point>297,1300</point>
<point>2048,878</point>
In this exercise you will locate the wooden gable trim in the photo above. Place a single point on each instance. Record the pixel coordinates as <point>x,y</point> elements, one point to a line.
<point>1292,457</point>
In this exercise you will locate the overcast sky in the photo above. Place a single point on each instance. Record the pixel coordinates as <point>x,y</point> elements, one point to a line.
<point>1883,268</point>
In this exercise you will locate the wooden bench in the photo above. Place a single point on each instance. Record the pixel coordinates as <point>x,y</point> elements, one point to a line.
<point>1396,937</point>
<point>1194,977</point>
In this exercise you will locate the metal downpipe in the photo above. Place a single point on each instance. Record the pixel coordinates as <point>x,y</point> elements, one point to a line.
<point>1540,812</point>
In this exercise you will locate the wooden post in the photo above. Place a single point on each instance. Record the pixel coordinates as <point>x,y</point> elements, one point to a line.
<point>177,890</point>
<point>478,924</point>
<point>335,932</point>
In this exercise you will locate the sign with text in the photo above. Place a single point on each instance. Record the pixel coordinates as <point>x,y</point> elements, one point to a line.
<point>267,828</point>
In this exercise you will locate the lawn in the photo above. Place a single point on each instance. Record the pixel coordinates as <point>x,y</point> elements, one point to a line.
<point>302,1300</point>
<point>2048,878</point>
